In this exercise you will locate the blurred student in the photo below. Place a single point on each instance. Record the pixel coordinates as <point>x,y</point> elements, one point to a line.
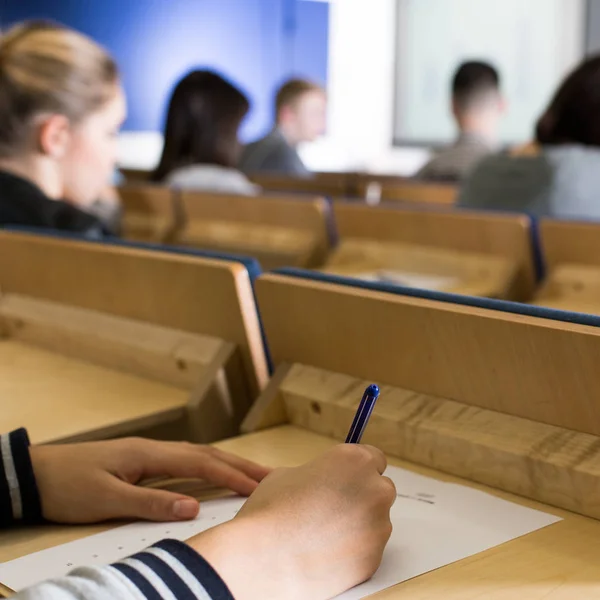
<point>300,116</point>
<point>477,106</point>
<point>201,147</point>
<point>559,176</point>
<point>271,549</point>
<point>61,107</point>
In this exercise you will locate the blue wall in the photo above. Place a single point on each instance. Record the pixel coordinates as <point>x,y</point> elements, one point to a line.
<point>257,43</point>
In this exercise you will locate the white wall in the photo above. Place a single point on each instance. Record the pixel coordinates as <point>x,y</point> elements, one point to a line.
<point>361,92</point>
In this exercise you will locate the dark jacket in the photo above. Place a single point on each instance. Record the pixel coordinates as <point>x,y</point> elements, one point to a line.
<point>273,154</point>
<point>24,204</point>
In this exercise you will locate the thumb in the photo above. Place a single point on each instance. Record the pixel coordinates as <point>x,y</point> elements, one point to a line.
<point>156,505</point>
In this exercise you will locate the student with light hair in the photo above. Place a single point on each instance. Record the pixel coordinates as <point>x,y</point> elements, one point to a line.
<point>61,107</point>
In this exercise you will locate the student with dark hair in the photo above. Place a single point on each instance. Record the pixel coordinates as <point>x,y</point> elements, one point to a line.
<point>559,176</point>
<point>477,106</point>
<point>300,116</point>
<point>201,146</point>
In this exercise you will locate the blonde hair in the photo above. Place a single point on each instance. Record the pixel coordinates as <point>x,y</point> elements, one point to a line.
<point>46,68</point>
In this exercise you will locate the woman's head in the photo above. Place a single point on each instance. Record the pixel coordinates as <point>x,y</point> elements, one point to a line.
<point>61,106</point>
<point>573,116</point>
<point>204,115</point>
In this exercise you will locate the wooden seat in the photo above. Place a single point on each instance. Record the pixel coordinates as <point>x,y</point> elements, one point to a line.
<point>571,253</point>
<point>278,231</point>
<point>149,213</point>
<point>98,340</point>
<point>376,189</point>
<point>470,253</point>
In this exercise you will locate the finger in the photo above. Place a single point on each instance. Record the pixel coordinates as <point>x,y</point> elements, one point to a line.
<point>224,475</point>
<point>154,505</point>
<point>389,487</point>
<point>378,457</point>
<point>155,459</point>
<point>185,460</point>
<point>252,469</point>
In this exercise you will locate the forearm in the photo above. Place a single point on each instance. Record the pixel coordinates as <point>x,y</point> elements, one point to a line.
<point>168,570</point>
<point>19,496</point>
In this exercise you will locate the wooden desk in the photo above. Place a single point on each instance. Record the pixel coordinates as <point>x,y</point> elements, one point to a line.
<point>329,184</point>
<point>277,230</point>
<point>486,254</point>
<point>559,562</point>
<point>375,189</point>
<point>149,213</point>
<point>124,341</point>
<point>60,398</point>
<point>572,254</point>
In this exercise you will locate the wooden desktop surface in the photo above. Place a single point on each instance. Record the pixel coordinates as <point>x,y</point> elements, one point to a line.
<point>58,397</point>
<point>559,562</point>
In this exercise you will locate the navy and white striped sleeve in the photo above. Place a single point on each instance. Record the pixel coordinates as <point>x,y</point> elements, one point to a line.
<point>169,570</point>
<point>19,496</point>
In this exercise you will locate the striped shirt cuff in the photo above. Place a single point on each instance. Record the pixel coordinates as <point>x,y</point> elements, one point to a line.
<point>171,569</point>
<point>19,496</point>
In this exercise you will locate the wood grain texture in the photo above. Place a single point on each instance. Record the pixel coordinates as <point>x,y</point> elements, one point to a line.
<point>571,242</point>
<point>460,272</point>
<point>278,231</point>
<point>186,293</point>
<point>328,184</point>
<point>555,563</point>
<point>91,346</point>
<point>572,255</point>
<point>409,191</point>
<point>173,357</point>
<point>502,236</point>
<point>59,398</point>
<point>532,368</point>
<point>538,461</point>
<point>150,213</point>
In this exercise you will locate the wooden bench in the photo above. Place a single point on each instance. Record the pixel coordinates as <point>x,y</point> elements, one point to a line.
<point>571,253</point>
<point>377,188</point>
<point>99,340</point>
<point>150,213</point>
<point>278,231</point>
<point>480,254</point>
<point>328,184</point>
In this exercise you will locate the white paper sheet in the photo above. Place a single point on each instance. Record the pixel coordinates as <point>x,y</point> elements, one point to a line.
<point>435,524</point>
<point>406,279</point>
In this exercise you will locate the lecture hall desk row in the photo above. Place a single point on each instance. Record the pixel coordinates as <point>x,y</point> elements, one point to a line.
<point>464,252</point>
<point>370,187</point>
<point>527,429</point>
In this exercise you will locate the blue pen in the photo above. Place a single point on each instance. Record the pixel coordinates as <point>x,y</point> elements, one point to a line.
<point>362,415</point>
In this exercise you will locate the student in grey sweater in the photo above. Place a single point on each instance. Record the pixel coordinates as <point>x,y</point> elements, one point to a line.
<point>276,547</point>
<point>559,176</point>
<point>477,106</point>
<point>300,116</point>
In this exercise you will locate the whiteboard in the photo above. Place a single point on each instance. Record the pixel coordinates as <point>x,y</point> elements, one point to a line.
<point>533,43</point>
